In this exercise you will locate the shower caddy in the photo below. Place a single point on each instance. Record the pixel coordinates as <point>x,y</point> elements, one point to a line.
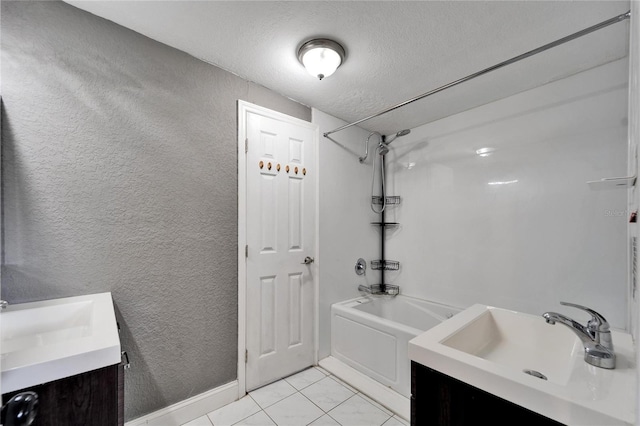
<point>383,264</point>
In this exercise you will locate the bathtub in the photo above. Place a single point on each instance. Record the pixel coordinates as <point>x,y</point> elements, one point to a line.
<point>371,334</point>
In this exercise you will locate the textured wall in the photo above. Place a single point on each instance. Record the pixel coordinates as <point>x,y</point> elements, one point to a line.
<point>119,174</point>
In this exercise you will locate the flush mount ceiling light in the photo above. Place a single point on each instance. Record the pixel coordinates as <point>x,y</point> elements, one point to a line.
<point>321,57</point>
<point>485,152</point>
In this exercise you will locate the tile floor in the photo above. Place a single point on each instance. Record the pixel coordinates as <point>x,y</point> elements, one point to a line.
<point>312,397</point>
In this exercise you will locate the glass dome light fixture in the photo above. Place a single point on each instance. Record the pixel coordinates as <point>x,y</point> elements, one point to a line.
<point>485,152</point>
<point>321,57</point>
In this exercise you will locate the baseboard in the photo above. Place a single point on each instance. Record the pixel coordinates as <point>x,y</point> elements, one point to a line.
<point>389,398</point>
<point>190,409</point>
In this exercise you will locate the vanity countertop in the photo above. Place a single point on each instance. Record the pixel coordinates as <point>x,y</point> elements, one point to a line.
<point>503,343</point>
<point>53,339</point>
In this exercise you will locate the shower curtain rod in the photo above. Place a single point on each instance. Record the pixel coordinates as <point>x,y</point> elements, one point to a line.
<point>540,49</point>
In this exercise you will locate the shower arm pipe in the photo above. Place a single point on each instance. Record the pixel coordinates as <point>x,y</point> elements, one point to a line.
<point>515,59</point>
<point>366,146</point>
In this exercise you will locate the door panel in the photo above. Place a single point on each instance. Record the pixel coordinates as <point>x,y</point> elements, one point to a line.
<point>280,234</point>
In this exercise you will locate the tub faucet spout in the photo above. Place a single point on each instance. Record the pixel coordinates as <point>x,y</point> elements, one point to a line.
<point>365,289</point>
<point>595,336</point>
<point>379,289</point>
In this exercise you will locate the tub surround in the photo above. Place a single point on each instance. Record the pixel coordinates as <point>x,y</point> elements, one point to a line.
<point>519,228</point>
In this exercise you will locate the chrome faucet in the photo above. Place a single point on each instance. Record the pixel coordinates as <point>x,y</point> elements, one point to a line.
<point>3,304</point>
<point>595,336</point>
<point>366,289</point>
<point>380,289</point>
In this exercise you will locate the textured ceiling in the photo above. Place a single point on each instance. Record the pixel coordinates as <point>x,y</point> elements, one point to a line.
<point>395,49</point>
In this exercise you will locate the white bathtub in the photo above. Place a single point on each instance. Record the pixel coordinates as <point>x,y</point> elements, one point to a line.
<point>371,334</point>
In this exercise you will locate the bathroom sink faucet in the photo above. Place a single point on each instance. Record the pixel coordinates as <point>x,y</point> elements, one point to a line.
<point>595,336</point>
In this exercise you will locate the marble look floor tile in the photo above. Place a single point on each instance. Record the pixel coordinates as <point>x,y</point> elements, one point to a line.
<point>258,419</point>
<point>200,421</point>
<point>305,378</point>
<point>294,410</point>
<point>377,404</point>
<point>357,411</point>
<point>327,393</point>
<point>234,412</point>
<point>322,370</point>
<point>394,421</point>
<point>270,394</point>
<point>325,420</point>
<point>345,384</point>
<point>401,420</point>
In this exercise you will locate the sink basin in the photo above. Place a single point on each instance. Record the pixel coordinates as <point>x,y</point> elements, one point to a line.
<point>490,348</point>
<point>52,339</point>
<point>522,342</point>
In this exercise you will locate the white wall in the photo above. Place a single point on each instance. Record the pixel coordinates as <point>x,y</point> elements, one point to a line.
<point>345,230</point>
<point>528,244</point>
<point>634,142</point>
<point>634,167</point>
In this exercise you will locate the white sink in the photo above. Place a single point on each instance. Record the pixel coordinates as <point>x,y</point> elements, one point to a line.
<point>490,348</point>
<point>522,342</point>
<point>52,339</point>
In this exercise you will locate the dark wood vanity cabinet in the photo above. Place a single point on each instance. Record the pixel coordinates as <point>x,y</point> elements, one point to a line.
<point>438,399</point>
<point>93,398</point>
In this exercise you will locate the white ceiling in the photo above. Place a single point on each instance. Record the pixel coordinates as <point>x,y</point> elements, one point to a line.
<point>395,49</point>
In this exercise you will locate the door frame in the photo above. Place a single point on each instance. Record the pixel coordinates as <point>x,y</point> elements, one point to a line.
<point>243,109</point>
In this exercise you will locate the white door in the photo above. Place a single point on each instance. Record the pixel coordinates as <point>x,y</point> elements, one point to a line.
<point>280,235</point>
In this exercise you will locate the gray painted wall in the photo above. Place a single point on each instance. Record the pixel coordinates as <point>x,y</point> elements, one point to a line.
<point>119,174</point>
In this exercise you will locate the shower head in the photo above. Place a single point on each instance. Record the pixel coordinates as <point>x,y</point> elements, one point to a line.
<point>389,139</point>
